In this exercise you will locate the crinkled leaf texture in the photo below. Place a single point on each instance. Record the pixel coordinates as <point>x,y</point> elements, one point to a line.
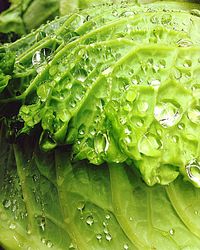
<point>49,202</point>
<point>118,82</point>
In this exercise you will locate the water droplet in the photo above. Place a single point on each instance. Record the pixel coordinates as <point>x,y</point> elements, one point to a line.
<point>105,224</point>
<point>196,212</point>
<point>184,43</point>
<point>131,218</point>
<point>81,206</point>
<point>108,237</point>
<point>166,19</point>
<point>101,143</point>
<point>162,63</point>
<point>90,220</point>
<point>154,19</point>
<point>41,222</point>
<point>187,63</point>
<point>35,178</point>
<point>155,83</point>
<point>167,114</point>
<point>196,90</point>
<point>175,138</point>
<point>107,216</point>
<point>127,140</point>
<point>143,106</point>
<point>81,130</point>
<point>140,123</point>
<point>105,230</point>
<point>177,74</point>
<point>181,126</point>
<point>171,231</point>
<point>6,203</point>
<point>127,130</point>
<point>39,59</point>
<point>99,237</point>
<point>122,120</point>
<point>53,70</point>
<point>126,247</point>
<point>131,95</point>
<point>195,12</point>
<point>49,244</point>
<point>135,80</point>
<point>149,145</point>
<point>194,114</point>
<point>71,246</point>
<point>193,171</point>
<point>12,226</point>
<point>127,107</point>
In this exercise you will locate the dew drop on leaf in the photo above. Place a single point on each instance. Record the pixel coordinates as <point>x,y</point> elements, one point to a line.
<point>194,114</point>
<point>171,231</point>
<point>81,206</point>
<point>107,216</point>
<point>108,237</point>
<point>101,143</point>
<point>6,203</point>
<point>90,220</point>
<point>167,114</point>
<point>143,106</point>
<point>193,171</point>
<point>12,226</point>
<point>126,247</point>
<point>99,237</point>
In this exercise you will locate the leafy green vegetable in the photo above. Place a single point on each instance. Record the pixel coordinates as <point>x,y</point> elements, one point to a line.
<point>115,86</point>
<point>23,16</point>
<point>50,202</point>
<point>120,83</point>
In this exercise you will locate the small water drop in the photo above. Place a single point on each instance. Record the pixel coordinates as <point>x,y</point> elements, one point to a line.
<point>166,19</point>
<point>194,114</point>
<point>6,203</point>
<point>81,130</point>
<point>71,246</point>
<point>99,237</point>
<point>131,95</point>
<point>81,206</point>
<point>39,59</point>
<point>105,230</point>
<point>195,12</point>
<point>184,43</point>
<point>107,216</point>
<point>155,83</point>
<point>187,63</point>
<point>108,237</point>
<point>177,74</point>
<point>127,130</point>
<point>90,220</point>
<point>167,114</point>
<point>171,231</point>
<point>126,247</point>
<point>12,226</point>
<point>101,143</point>
<point>181,126</point>
<point>140,123</point>
<point>143,106</point>
<point>193,171</point>
<point>49,244</point>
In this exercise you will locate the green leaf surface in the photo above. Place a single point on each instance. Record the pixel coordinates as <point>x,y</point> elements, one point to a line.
<point>49,202</point>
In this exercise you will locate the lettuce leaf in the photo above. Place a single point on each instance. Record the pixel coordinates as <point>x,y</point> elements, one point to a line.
<point>48,201</point>
<point>117,82</point>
